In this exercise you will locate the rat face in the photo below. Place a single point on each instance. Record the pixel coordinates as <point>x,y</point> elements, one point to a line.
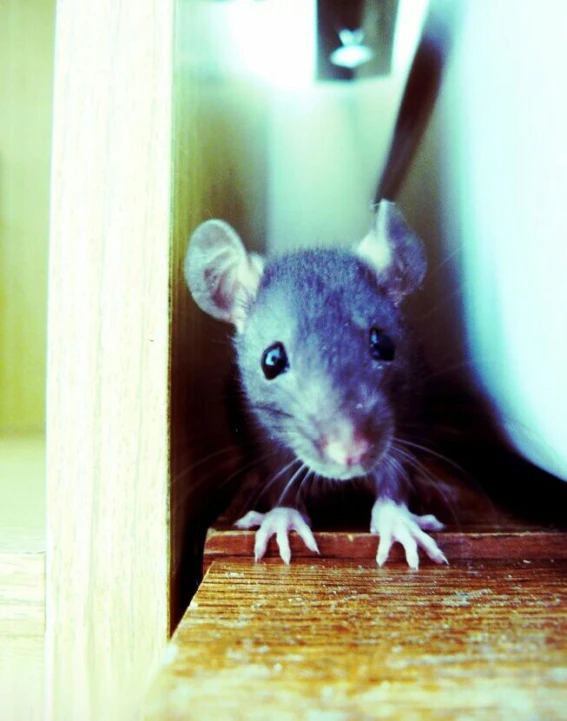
<point>322,354</point>
<point>323,361</point>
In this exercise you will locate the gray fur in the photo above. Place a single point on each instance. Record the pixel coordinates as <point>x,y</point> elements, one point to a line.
<point>321,304</point>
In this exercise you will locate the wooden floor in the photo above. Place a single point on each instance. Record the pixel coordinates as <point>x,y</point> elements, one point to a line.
<point>336,638</point>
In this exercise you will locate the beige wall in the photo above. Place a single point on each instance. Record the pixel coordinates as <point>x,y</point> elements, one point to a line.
<point>26,51</point>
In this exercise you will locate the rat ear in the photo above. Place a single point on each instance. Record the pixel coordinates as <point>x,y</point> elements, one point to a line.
<point>222,277</point>
<point>394,251</point>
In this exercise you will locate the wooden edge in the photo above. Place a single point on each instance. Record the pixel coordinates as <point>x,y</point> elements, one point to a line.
<point>359,546</point>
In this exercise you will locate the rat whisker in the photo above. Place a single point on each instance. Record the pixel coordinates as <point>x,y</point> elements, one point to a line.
<point>462,473</point>
<point>447,258</point>
<point>417,446</point>
<point>305,481</point>
<point>400,469</point>
<point>289,484</point>
<point>192,488</point>
<point>264,488</point>
<point>438,486</point>
<point>272,481</point>
<point>180,496</point>
<point>470,363</point>
<point>271,409</point>
<point>443,303</point>
<point>207,459</point>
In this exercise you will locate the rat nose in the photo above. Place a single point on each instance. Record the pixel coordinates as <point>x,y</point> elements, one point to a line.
<point>347,452</point>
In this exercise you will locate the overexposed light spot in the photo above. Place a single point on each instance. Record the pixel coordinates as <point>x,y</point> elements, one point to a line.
<point>273,42</point>
<point>352,54</point>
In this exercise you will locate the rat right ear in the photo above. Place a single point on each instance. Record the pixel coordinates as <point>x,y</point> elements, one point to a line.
<point>222,277</point>
<point>394,251</point>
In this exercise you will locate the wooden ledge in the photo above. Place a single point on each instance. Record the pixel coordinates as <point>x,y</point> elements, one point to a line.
<point>513,543</point>
<point>336,638</point>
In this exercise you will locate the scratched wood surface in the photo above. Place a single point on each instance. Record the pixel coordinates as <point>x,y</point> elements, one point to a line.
<point>338,640</point>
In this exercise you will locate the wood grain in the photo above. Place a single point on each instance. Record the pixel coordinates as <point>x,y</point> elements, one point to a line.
<point>107,410</point>
<point>335,640</point>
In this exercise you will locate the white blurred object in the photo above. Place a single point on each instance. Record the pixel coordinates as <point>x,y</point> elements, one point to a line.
<point>506,171</point>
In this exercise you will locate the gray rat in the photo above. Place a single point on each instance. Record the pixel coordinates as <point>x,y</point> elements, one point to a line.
<point>327,368</point>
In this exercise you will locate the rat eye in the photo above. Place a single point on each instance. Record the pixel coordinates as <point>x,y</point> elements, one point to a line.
<point>381,345</point>
<point>274,361</point>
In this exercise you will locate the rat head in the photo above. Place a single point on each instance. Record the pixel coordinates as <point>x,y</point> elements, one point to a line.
<point>324,358</point>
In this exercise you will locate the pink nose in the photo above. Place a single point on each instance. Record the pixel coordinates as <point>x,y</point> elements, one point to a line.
<point>346,452</point>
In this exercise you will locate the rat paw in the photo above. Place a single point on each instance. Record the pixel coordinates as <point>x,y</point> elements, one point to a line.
<point>394,522</point>
<point>278,522</point>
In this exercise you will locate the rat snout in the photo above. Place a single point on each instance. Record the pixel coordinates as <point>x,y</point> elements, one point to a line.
<point>347,451</point>
<point>346,436</point>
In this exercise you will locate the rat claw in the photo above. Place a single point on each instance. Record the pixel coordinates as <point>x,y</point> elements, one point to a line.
<point>394,522</point>
<point>252,519</point>
<point>283,545</point>
<point>306,534</point>
<point>309,540</point>
<point>278,522</point>
<point>410,547</point>
<point>430,547</point>
<point>429,523</point>
<point>384,545</point>
<point>261,543</point>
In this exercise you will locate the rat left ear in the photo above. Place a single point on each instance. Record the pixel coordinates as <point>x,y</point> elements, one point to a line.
<point>394,251</point>
<point>222,277</point>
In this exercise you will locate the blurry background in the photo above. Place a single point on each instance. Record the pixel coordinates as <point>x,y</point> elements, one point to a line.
<point>26,66</point>
<point>284,114</point>
<point>289,148</point>
<point>26,79</point>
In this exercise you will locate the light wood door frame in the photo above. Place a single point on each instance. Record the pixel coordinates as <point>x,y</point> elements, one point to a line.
<point>108,355</point>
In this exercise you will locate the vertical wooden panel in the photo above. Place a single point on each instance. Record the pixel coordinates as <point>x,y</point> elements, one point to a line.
<point>107,406</point>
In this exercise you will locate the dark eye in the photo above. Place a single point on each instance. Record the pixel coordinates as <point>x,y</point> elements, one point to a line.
<point>274,361</point>
<point>381,345</point>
